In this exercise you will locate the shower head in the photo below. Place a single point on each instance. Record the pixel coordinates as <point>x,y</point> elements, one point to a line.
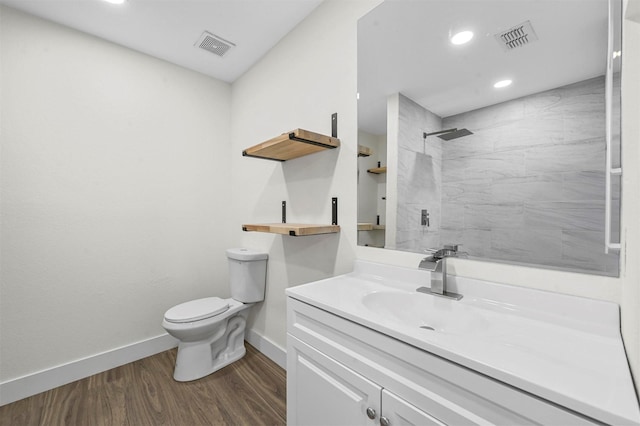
<point>448,134</point>
<point>455,134</point>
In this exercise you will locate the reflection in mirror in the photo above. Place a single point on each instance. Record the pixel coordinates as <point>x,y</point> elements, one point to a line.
<point>515,172</point>
<point>372,189</point>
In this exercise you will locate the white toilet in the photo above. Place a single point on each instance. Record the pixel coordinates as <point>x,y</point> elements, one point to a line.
<point>211,330</point>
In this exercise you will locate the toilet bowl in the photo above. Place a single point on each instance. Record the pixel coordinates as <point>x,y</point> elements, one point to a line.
<point>211,330</point>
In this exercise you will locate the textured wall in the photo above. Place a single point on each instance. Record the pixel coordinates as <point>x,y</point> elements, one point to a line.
<point>528,185</point>
<point>113,168</point>
<point>419,183</point>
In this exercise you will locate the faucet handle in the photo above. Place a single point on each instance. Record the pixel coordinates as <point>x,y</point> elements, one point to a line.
<point>453,247</point>
<point>429,250</point>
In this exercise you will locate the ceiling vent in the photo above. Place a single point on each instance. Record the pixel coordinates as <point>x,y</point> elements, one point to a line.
<point>516,36</point>
<point>214,44</point>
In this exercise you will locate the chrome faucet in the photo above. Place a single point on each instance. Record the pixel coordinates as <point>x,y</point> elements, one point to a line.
<point>436,263</point>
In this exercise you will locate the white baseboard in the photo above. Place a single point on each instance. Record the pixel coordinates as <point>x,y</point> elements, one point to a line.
<point>32,384</point>
<point>271,350</point>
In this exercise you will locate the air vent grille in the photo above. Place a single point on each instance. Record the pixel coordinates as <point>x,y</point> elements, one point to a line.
<point>516,36</point>
<point>214,44</point>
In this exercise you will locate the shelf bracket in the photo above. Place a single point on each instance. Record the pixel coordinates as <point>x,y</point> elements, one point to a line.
<point>334,211</point>
<point>334,125</point>
<point>284,212</point>
<point>245,154</point>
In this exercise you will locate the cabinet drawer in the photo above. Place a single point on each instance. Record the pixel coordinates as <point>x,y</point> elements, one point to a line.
<point>450,392</point>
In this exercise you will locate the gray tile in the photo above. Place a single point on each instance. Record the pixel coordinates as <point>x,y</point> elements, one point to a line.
<point>588,216</point>
<point>543,187</point>
<point>542,129</point>
<point>615,221</point>
<point>584,125</point>
<point>496,165</point>
<point>585,155</point>
<point>468,191</point>
<point>525,245</point>
<point>587,249</point>
<point>583,186</point>
<point>452,216</point>
<point>493,216</point>
<point>453,169</point>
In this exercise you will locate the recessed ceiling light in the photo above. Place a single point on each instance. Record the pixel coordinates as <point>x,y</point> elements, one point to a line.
<point>502,83</point>
<point>115,1</point>
<point>461,37</point>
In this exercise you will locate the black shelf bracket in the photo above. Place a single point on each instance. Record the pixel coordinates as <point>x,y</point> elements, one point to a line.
<point>284,212</point>
<point>244,154</point>
<point>334,210</point>
<point>334,125</point>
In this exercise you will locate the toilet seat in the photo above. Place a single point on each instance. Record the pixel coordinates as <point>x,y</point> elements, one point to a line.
<point>196,310</point>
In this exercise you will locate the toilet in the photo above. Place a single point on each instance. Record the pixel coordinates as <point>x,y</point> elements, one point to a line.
<point>211,330</point>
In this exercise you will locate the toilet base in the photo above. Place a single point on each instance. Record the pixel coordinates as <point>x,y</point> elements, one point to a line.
<point>196,360</point>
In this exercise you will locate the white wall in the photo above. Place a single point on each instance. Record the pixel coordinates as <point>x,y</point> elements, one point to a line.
<point>308,76</point>
<point>114,193</point>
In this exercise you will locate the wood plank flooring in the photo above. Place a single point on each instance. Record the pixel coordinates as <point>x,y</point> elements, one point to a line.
<point>250,391</point>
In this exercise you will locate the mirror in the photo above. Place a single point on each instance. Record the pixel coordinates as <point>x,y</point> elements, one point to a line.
<point>531,173</point>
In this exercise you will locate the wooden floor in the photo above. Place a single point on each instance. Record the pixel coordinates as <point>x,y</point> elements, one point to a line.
<point>250,391</point>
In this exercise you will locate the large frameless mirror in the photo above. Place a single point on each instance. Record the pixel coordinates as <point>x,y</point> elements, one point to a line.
<point>507,143</point>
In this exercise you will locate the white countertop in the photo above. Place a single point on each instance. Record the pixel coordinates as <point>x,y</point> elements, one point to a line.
<point>564,349</point>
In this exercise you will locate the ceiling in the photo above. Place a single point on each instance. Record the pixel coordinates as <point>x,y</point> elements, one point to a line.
<point>403,47</point>
<point>168,29</point>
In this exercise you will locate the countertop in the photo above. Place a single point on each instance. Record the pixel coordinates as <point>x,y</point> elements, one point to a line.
<point>565,349</point>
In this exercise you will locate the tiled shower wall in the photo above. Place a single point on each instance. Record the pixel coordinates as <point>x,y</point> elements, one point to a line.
<point>529,184</point>
<point>419,177</point>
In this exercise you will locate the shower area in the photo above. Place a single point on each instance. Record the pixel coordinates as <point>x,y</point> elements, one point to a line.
<point>519,181</point>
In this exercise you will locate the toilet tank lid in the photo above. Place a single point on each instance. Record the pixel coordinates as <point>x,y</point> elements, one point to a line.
<point>246,254</point>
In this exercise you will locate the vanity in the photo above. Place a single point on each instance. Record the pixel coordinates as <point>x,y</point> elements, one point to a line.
<point>365,348</point>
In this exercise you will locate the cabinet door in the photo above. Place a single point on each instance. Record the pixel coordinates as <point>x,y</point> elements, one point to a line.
<point>321,391</point>
<point>399,412</point>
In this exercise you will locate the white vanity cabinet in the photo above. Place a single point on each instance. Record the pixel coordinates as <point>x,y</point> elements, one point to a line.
<point>329,393</point>
<point>337,369</point>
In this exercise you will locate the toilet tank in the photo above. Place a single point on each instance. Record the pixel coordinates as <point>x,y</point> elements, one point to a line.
<point>247,274</point>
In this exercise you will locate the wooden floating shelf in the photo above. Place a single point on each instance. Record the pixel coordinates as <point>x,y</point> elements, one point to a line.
<point>378,170</point>
<point>294,144</point>
<point>364,151</point>
<point>369,227</point>
<point>293,229</point>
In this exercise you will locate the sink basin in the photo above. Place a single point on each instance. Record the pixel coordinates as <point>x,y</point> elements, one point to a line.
<point>424,311</point>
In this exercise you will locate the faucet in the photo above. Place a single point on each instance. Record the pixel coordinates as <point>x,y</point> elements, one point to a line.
<point>436,263</point>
